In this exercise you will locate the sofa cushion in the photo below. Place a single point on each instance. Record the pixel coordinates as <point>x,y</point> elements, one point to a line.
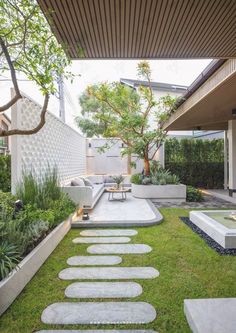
<point>96,179</point>
<point>87,182</point>
<point>77,182</point>
<point>97,189</point>
<point>109,179</point>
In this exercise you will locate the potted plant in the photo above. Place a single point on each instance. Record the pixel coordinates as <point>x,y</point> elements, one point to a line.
<point>118,180</point>
<point>160,185</point>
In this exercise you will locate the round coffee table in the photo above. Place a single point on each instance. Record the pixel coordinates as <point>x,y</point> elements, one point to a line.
<point>113,190</point>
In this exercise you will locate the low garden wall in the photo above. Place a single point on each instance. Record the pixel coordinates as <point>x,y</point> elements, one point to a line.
<point>12,286</point>
<point>176,193</point>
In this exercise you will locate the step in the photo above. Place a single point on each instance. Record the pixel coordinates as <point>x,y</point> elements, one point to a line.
<point>213,315</point>
<point>108,232</point>
<point>108,273</point>
<point>94,260</point>
<point>101,240</point>
<point>98,313</point>
<point>103,290</point>
<point>119,249</point>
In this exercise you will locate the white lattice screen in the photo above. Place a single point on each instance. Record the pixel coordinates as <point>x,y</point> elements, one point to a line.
<point>56,144</point>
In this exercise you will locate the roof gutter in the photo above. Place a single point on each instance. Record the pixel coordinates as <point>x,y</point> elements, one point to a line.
<point>205,74</point>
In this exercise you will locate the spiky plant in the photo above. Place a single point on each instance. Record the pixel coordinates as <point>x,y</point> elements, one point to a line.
<point>9,258</point>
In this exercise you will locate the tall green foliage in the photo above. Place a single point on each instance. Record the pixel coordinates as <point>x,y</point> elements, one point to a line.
<point>114,110</point>
<point>197,162</point>
<point>44,207</point>
<point>5,173</point>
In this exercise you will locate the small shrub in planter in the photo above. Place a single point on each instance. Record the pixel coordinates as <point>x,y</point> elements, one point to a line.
<point>193,194</point>
<point>45,206</point>
<point>158,176</point>
<point>136,178</point>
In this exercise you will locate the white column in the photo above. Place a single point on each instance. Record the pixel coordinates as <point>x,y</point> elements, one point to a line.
<point>232,157</point>
<point>225,160</point>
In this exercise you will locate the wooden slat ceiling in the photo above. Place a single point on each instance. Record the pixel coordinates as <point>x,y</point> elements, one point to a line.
<point>144,28</point>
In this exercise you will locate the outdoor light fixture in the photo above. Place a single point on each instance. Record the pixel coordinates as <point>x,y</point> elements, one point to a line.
<point>18,205</point>
<point>90,144</point>
<point>85,216</point>
<point>234,113</point>
<point>122,145</point>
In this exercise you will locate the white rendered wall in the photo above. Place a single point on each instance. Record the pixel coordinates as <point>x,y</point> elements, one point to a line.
<point>110,162</point>
<point>56,144</point>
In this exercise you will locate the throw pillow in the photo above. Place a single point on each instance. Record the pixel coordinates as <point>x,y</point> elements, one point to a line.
<point>77,182</point>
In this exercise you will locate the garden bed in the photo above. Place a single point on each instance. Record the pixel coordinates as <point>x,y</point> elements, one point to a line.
<point>12,286</point>
<point>175,193</point>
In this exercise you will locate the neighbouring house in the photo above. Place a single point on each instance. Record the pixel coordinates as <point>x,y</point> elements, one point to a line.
<point>5,143</point>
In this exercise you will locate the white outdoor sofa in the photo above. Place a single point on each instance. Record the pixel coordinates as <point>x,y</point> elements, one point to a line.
<point>86,196</point>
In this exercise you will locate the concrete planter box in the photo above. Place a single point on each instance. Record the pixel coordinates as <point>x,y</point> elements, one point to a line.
<point>12,286</point>
<point>175,193</point>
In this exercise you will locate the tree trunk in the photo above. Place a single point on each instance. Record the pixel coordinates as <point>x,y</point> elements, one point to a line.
<point>146,167</point>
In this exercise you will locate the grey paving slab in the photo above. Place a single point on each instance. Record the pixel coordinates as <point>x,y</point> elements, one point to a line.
<point>212,315</point>
<point>100,240</point>
<point>108,273</point>
<point>108,232</point>
<point>94,260</point>
<point>103,290</point>
<point>96,331</point>
<point>119,249</point>
<point>98,313</point>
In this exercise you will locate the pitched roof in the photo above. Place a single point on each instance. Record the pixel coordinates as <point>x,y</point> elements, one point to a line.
<point>155,85</point>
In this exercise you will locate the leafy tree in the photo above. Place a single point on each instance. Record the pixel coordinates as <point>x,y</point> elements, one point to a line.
<point>28,46</point>
<point>113,110</point>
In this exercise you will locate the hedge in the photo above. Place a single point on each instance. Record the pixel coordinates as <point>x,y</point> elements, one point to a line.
<point>197,162</point>
<point>5,173</point>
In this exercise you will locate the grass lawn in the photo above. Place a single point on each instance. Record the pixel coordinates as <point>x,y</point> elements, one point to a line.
<point>188,269</point>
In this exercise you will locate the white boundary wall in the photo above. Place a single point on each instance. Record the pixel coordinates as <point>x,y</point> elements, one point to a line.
<point>56,144</point>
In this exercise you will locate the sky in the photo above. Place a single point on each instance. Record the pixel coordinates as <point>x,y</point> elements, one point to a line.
<point>182,72</point>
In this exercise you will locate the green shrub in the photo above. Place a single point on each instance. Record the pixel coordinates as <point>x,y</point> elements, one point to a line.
<point>193,194</point>
<point>40,192</point>
<point>9,258</point>
<point>161,176</point>
<point>7,205</point>
<point>199,163</point>
<point>146,181</point>
<point>136,178</point>
<point>45,205</point>
<point>5,173</point>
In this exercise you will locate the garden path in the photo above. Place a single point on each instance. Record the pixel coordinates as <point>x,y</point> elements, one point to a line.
<point>102,312</point>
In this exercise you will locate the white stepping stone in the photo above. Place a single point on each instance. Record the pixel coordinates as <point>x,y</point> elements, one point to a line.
<point>108,273</point>
<point>94,260</point>
<point>108,232</point>
<point>96,331</point>
<point>119,249</point>
<point>98,313</point>
<point>100,240</point>
<point>103,290</point>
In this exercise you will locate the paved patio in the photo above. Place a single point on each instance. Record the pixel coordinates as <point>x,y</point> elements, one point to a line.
<point>131,212</point>
<point>209,202</point>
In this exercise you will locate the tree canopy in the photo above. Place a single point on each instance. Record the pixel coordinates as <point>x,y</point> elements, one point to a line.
<point>113,110</point>
<point>28,46</point>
